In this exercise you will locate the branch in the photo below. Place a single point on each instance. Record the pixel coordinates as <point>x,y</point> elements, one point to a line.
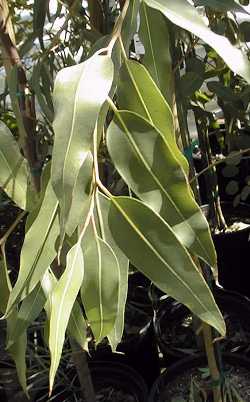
<point>25,110</point>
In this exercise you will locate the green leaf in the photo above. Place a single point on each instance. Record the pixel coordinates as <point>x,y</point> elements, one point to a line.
<point>100,287</point>
<point>39,10</point>
<point>79,94</point>
<point>62,300</point>
<point>38,250</point>
<point>138,93</point>
<point>183,14</point>
<point>222,5</point>
<point>77,325</point>
<point>226,93</point>
<point>13,168</point>
<point>45,107</point>
<point>5,285</point>
<point>81,196</point>
<point>18,350</point>
<point>189,83</point>
<point>150,169</point>
<point>130,22</point>
<point>152,247</point>
<point>30,309</point>
<point>154,35</point>
<point>103,205</point>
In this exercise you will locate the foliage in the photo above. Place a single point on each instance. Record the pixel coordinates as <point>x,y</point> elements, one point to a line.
<point>79,236</point>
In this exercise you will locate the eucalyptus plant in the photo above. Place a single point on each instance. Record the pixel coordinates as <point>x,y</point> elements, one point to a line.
<point>80,237</point>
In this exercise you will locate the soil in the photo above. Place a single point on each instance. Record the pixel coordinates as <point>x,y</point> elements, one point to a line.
<point>237,380</point>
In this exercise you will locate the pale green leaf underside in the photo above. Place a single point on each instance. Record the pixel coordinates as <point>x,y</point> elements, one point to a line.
<point>103,205</point>
<point>38,250</point>
<point>100,286</point>
<point>28,312</point>
<point>152,247</point>
<point>154,36</point>
<point>79,94</point>
<point>183,14</point>
<point>150,169</point>
<point>13,168</point>
<point>62,300</point>
<point>139,93</point>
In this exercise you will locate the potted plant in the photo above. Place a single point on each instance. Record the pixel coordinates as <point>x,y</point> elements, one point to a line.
<point>77,227</point>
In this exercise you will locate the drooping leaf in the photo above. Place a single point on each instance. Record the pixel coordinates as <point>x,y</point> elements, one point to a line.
<point>154,35</point>
<point>226,93</point>
<point>100,287</point>
<point>13,168</point>
<point>77,328</point>
<point>103,205</point>
<point>153,248</point>
<point>45,107</point>
<point>150,169</point>
<point>39,9</point>
<point>62,300</point>
<point>222,5</point>
<point>185,15</point>
<point>5,285</point>
<point>38,250</point>
<point>130,23</point>
<point>18,350</point>
<point>138,93</point>
<point>189,83</point>
<point>79,94</point>
<point>81,198</point>
<point>76,325</point>
<point>30,309</point>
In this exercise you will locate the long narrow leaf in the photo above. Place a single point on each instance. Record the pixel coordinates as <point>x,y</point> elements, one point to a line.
<point>38,249</point>
<point>103,205</point>
<point>154,35</point>
<point>13,168</point>
<point>185,15</point>
<point>62,300</point>
<point>100,287</point>
<point>149,167</point>
<point>151,245</point>
<point>79,94</point>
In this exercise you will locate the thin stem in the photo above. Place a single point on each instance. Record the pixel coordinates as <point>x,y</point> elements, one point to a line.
<point>212,364</point>
<point>12,227</point>
<point>244,151</point>
<point>118,26</point>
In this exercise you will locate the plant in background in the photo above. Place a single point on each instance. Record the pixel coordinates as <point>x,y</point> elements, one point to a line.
<point>80,237</point>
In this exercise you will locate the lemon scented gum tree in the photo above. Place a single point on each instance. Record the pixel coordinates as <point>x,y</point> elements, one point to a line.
<point>79,237</point>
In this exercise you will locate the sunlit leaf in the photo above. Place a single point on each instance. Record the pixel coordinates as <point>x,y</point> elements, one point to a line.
<point>103,205</point>
<point>62,300</point>
<point>79,94</point>
<point>100,286</point>
<point>30,309</point>
<point>76,325</point>
<point>150,169</point>
<point>38,250</point>
<point>13,168</point>
<point>153,248</point>
<point>138,93</point>
<point>183,14</point>
<point>154,35</point>
<point>222,5</point>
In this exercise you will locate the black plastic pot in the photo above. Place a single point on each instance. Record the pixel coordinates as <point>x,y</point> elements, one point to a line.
<point>233,251</point>
<point>119,376</point>
<point>176,335</point>
<point>188,364</point>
